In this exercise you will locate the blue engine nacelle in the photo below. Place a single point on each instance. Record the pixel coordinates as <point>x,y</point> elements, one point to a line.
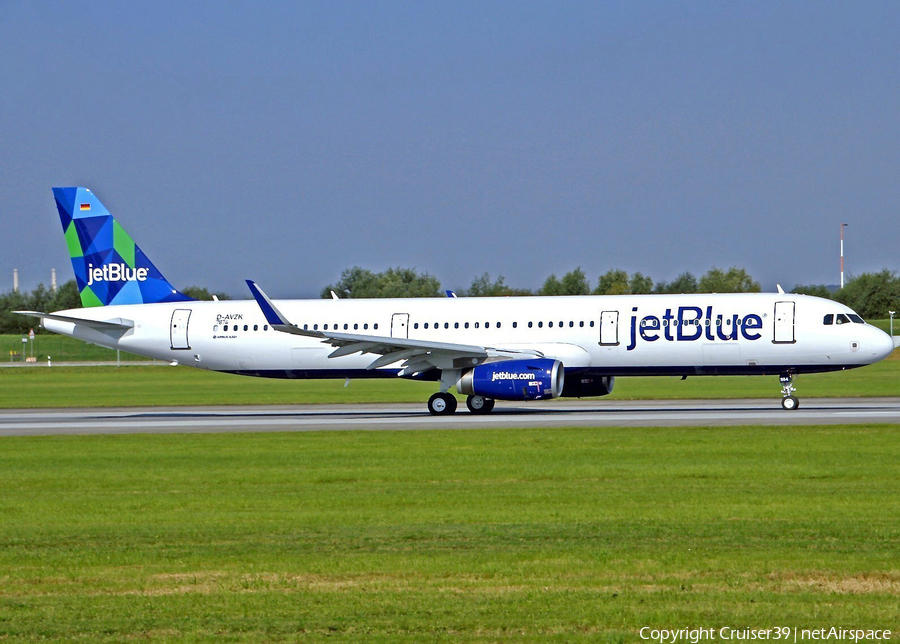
<point>515,380</point>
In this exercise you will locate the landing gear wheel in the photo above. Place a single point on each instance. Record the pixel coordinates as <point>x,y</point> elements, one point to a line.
<point>441,404</point>
<point>480,404</point>
<point>790,402</point>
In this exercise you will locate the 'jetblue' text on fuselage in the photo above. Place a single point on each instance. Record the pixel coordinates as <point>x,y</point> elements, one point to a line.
<point>689,324</point>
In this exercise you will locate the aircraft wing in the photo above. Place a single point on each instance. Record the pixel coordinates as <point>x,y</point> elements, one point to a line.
<point>117,324</point>
<point>417,355</point>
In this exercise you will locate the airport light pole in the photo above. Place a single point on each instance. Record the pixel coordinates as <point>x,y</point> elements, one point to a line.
<point>892,322</point>
<point>842,254</point>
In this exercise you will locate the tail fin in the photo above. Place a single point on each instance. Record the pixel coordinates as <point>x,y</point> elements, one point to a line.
<point>109,266</point>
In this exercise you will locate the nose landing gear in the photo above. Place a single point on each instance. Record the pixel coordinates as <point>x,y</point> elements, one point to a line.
<point>788,401</point>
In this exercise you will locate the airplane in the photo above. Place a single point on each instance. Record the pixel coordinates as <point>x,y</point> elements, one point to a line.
<point>489,349</point>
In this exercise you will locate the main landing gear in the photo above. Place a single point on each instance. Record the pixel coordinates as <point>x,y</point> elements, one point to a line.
<point>788,401</point>
<point>480,404</point>
<point>444,404</point>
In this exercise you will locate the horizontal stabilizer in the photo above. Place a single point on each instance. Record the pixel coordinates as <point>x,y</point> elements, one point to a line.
<point>116,324</point>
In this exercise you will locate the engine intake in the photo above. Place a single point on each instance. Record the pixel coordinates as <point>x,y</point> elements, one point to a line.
<point>535,379</point>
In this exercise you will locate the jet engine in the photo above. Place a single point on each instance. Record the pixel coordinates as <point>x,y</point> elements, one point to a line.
<point>536,379</point>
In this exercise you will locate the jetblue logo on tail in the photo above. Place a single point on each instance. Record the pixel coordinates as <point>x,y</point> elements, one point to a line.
<point>116,273</point>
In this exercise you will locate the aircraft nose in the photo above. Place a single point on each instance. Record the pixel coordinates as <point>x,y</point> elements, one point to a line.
<point>882,344</point>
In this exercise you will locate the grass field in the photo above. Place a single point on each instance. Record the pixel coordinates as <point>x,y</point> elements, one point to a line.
<point>40,386</point>
<point>562,535</point>
<point>59,347</point>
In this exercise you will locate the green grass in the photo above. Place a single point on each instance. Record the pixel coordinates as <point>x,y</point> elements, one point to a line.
<point>59,347</point>
<point>40,386</point>
<point>445,536</point>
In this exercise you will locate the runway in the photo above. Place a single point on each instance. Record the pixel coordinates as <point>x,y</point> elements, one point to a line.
<point>593,413</point>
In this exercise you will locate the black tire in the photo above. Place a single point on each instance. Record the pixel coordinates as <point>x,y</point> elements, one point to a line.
<point>441,404</point>
<point>480,404</point>
<point>790,403</point>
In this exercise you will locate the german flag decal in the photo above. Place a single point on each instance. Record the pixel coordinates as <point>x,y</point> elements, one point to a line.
<point>85,206</point>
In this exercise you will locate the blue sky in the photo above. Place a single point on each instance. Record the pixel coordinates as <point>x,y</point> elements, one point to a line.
<point>284,142</point>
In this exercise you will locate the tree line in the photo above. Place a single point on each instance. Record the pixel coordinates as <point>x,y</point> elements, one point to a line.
<point>871,295</point>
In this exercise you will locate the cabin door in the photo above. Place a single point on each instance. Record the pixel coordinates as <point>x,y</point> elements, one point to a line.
<point>784,322</point>
<point>609,328</point>
<point>179,329</point>
<point>400,325</point>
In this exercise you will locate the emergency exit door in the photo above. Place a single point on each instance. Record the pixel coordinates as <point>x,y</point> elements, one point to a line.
<point>179,329</point>
<point>400,325</point>
<point>784,323</point>
<point>609,328</point>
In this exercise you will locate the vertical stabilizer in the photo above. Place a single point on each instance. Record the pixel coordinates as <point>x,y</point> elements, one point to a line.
<point>109,267</point>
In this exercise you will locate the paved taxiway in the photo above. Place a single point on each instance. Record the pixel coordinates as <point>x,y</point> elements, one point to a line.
<point>655,413</point>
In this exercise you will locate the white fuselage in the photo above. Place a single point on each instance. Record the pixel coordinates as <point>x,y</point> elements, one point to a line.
<point>757,333</point>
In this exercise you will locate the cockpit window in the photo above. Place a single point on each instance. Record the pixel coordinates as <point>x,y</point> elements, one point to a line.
<point>829,319</point>
<point>855,318</point>
<point>840,318</point>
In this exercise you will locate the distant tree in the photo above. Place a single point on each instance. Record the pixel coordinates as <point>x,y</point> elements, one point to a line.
<point>613,282</point>
<point>405,282</point>
<point>872,295</point>
<point>483,286</point>
<point>572,283</point>
<point>818,290</point>
<point>640,284</point>
<point>202,293</point>
<point>354,282</point>
<point>575,283</point>
<point>551,286</point>
<point>66,297</point>
<point>359,282</point>
<point>39,299</point>
<point>734,280</point>
<point>9,321</point>
<point>684,283</point>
